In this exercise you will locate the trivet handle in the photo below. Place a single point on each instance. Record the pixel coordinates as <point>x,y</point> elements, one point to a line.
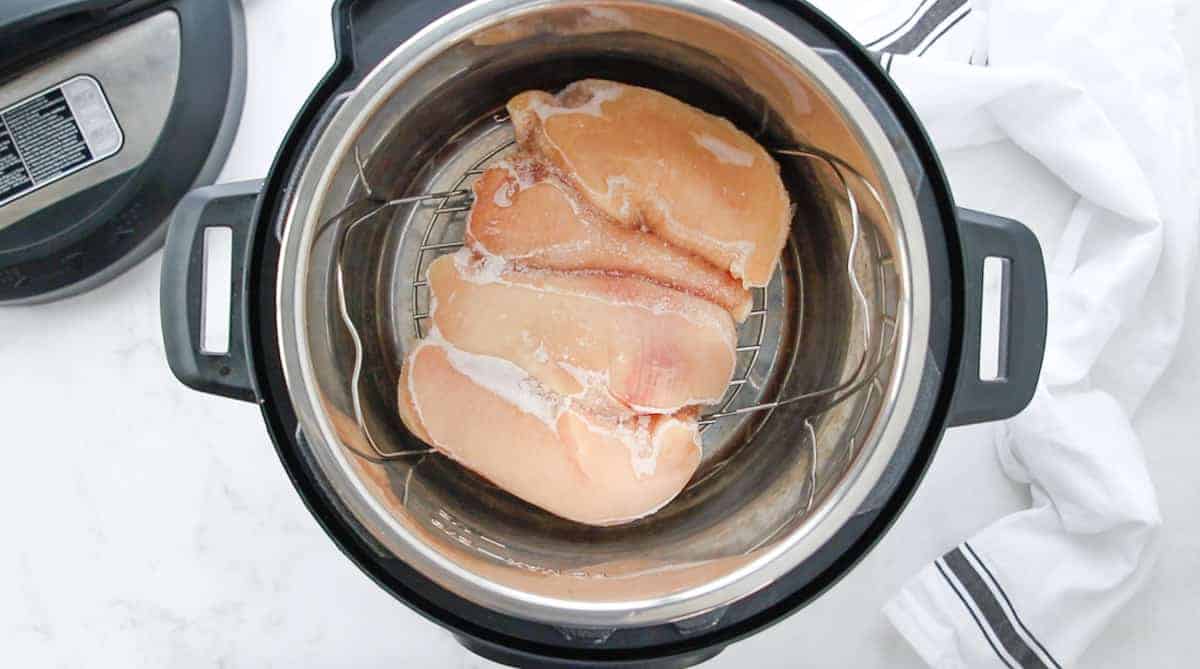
<point>207,213</point>
<point>1023,316</point>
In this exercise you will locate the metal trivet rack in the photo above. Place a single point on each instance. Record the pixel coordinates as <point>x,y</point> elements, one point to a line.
<point>459,199</point>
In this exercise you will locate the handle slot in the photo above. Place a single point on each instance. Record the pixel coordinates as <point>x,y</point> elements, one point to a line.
<point>994,314</point>
<point>217,291</point>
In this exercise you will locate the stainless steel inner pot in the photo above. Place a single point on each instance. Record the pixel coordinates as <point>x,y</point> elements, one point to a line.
<point>774,485</point>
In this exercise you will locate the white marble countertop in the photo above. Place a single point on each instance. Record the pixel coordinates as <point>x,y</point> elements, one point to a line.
<point>148,525</point>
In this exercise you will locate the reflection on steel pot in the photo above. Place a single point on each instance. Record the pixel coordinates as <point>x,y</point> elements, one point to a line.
<point>331,251</point>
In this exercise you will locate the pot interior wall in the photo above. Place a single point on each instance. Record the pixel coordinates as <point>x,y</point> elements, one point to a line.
<point>766,476</point>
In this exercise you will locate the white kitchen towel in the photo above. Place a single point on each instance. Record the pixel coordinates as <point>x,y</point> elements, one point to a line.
<point>1095,93</point>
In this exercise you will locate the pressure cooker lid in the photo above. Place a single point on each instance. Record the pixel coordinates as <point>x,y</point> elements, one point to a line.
<point>110,111</point>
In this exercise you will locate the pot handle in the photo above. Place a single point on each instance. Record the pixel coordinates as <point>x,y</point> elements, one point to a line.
<point>1023,315</point>
<point>204,213</point>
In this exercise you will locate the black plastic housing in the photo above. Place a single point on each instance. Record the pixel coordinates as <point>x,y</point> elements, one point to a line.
<point>956,242</point>
<point>365,32</point>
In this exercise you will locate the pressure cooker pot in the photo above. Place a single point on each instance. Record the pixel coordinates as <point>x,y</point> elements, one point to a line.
<point>862,348</point>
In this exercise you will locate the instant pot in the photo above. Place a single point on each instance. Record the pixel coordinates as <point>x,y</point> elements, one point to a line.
<point>863,348</point>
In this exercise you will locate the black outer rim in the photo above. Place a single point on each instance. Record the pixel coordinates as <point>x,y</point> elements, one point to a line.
<point>504,638</point>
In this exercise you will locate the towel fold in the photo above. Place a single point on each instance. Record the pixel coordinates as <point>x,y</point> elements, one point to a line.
<point>1096,93</point>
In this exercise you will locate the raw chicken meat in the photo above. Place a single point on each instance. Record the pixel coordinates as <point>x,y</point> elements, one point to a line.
<point>591,312</point>
<point>490,416</point>
<point>655,349</point>
<point>655,163</point>
<point>525,213</point>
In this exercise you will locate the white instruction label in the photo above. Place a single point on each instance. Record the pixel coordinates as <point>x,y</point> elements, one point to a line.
<point>55,133</point>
